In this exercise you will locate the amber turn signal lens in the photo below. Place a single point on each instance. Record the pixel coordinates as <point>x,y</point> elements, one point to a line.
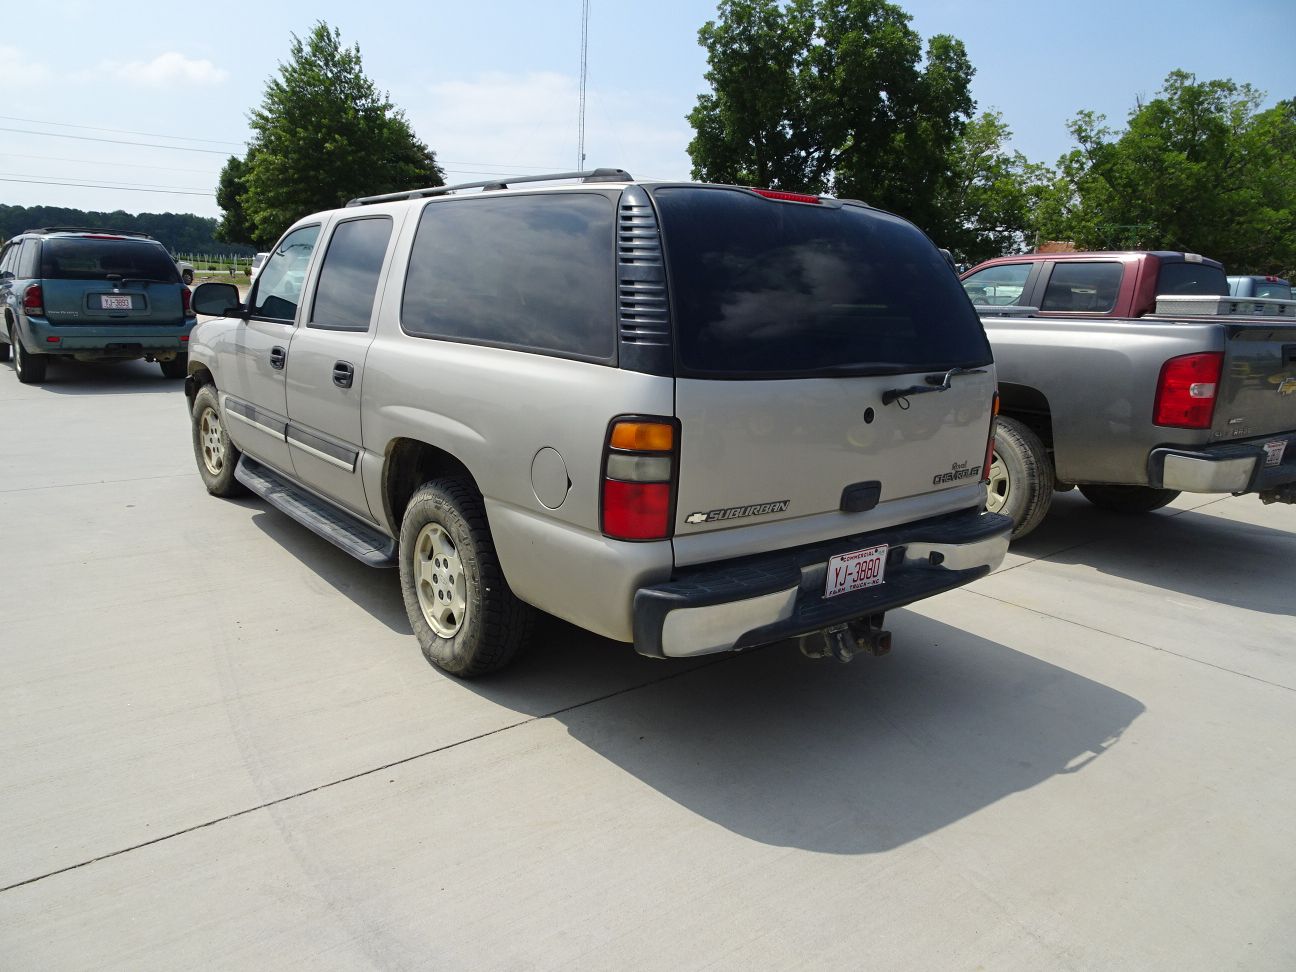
<point>643,436</point>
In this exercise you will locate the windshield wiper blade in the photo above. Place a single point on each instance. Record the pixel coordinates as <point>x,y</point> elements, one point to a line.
<point>935,383</point>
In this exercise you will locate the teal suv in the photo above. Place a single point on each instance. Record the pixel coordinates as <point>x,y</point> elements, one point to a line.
<point>92,295</point>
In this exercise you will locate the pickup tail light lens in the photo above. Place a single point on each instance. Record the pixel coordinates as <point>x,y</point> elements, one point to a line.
<point>34,301</point>
<point>989,456</point>
<point>1187,391</point>
<point>639,466</point>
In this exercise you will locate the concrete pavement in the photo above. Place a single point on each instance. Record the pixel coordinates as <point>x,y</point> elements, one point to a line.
<point>220,747</point>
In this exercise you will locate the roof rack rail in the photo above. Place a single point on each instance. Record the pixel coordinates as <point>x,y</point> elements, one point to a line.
<point>591,175</point>
<point>87,229</point>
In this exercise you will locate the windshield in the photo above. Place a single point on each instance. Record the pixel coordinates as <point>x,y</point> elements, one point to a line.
<point>88,258</point>
<point>761,288</point>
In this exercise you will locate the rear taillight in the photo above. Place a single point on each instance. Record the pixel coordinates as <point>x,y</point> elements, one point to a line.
<point>639,463</point>
<point>34,301</point>
<point>1187,390</point>
<point>989,456</point>
<point>186,300</point>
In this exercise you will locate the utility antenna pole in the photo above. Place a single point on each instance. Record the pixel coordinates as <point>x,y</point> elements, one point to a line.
<point>584,72</point>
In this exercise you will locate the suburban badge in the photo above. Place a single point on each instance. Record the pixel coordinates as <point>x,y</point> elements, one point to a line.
<point>733,512</point>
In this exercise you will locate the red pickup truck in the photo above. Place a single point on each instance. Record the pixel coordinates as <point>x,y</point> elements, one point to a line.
<point>1093,284</point>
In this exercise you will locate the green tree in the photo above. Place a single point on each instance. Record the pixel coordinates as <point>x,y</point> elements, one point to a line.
<point>834,96</point>
<point>1199,167</point>
<point>322,135</point>
<point>234,226</point>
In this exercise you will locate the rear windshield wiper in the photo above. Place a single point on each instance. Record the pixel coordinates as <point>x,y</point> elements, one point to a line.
<point>935,383</point>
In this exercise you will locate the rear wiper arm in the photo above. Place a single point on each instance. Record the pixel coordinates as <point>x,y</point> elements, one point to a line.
<point>935,383</point>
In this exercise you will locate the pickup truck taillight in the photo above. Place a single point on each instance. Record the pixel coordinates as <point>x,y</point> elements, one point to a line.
<point>34,301</point>
<point>639,465</point>
<point>989,456</point>
<point>1187,389</point>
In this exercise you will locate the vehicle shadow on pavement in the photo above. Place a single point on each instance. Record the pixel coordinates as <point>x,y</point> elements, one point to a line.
<point>1182,551</point>
<point>841,759</point>
<point>99,378</point>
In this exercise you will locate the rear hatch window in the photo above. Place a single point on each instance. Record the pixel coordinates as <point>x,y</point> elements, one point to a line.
<point>88,258</point>
<point>766,289</point>
<point>1187,279</point>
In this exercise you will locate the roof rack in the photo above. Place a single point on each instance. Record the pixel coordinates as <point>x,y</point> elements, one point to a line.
<point>87,229</point>
<point>592,175</point>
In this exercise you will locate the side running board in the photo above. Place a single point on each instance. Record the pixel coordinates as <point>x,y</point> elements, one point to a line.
<point>337,527</point>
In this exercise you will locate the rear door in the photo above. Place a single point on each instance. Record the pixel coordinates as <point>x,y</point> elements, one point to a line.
<point>104,279</point>
<point>811,339</point>
<point>325,369</point>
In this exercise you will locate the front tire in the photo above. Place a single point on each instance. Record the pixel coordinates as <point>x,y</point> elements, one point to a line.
<point>1021,477</point>
<point>30,367</point>
<point>217,456</point>
<point>1128,499</point>
<point>4,349</point>
<point>467,620</point>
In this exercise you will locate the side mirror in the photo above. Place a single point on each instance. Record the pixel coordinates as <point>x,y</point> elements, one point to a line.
<point>6,276</point>
<point>218,300</point>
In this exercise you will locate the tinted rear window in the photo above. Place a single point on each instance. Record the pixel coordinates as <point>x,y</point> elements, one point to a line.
<point>1200,279</point>
<point>770,289</point>
<point>530,272</point>
<point>1279,290</point>
<point>82,258</point>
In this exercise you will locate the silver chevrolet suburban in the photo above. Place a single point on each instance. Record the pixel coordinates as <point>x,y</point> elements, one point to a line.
<point>695,418</point>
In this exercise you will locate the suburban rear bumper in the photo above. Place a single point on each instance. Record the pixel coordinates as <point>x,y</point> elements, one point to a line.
<point>758,600</point>
<point>1230,467</point>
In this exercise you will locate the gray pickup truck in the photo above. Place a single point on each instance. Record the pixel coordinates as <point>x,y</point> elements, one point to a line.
<point>1100,390</point>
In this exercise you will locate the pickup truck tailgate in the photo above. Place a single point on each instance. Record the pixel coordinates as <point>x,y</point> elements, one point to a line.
<point>1257,394</point>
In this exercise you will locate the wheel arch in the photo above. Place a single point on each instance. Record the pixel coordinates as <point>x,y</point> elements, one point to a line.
<point>199,375</point>
<point>1030,406</point>
<point>408,463</point>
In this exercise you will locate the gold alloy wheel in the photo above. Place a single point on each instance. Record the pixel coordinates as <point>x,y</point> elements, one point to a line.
<point>998,486</point>
<point>439,580</point>
<point>213,441</point>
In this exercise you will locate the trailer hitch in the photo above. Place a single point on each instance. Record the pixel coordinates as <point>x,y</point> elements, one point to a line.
<point>845,641</point>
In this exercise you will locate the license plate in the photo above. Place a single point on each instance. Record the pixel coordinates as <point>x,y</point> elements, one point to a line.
<point>107,302</point>
<point>1274,452</point>
<point>855,570</point>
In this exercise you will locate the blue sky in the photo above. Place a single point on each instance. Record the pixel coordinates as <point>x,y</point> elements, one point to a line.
<point>492,86</point>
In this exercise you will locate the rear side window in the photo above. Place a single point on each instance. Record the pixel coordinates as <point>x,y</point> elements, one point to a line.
<point>1090,288</point>
<point>771,289</point>
<point>1198,279</point>
<point>87,258</point>
<point>348,280</point>
<point>532,272</point>
<point>998,286</point>
<point>29,259</point>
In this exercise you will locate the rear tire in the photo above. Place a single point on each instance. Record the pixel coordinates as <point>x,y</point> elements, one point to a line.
<point>217,456</point>
<point>467,620</point>
<point>1021,477</point>
<point>1128,499</point>
<point>30,367</point>
<point>177,367</point>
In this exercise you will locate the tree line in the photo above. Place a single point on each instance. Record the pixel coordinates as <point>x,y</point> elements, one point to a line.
<point>178,232</point>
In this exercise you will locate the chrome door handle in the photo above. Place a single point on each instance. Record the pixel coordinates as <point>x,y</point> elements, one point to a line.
<point>278,356</point>
<point>343,374</point>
